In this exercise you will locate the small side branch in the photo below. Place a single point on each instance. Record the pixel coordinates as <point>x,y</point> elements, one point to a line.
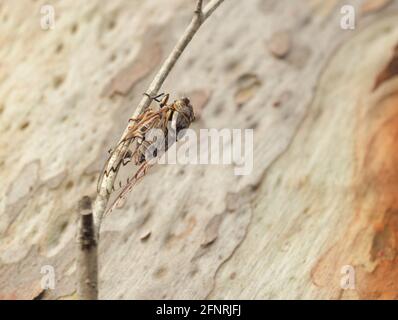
<point>198,9</point>
<point>87,260</point>
<point>211,6</point>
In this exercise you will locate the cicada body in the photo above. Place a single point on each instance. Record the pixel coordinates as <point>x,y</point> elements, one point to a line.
<point>170,121</point>
<point>147,138</point>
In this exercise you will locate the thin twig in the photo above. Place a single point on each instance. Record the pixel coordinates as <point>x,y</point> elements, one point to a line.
<point>87,260</point>
<point>210,7</point>
<point>198,19</point>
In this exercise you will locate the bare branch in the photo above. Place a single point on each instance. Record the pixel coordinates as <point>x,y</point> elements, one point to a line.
<point>102,198</point>
<point>87,260</point>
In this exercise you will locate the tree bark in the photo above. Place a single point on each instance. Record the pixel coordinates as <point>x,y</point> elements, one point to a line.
<point>319,206</point>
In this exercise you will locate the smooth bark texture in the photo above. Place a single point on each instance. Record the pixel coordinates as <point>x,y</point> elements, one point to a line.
<point>321,200</point>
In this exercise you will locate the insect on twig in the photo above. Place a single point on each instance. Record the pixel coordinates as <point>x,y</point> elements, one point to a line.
<point>201,14</point>
<point>170,119</point>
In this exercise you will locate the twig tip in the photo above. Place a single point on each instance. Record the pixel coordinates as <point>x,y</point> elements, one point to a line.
<point>84,204</point>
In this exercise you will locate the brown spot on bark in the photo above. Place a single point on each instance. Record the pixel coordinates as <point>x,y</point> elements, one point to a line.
<point>276,104</point>
<point>283,98</point>
<point>145,236</point>
<point>24,125</point>
<point>280,44</point>
<point>211,231</point>
<point>58,81</point>
<point>160,272</point>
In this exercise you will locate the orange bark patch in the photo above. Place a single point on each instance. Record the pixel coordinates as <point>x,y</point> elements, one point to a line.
<point>380,171</point>
<point>370,243</point>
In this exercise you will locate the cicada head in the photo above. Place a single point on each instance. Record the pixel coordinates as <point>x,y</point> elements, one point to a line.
<point>185,110</point>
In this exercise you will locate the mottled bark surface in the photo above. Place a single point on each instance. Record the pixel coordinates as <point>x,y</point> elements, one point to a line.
<point>323,192</point>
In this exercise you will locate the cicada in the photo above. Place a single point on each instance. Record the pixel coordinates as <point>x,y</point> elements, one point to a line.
<point>170,119</point>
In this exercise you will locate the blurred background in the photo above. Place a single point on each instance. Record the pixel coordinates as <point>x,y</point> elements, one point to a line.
<point>315,79</point>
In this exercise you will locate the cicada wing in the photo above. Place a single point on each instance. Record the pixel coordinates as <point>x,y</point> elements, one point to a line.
<point>144,154</point>
<point>103,172</point>
<point>122,195</point>
<point>126,165</point>
<point>145,142</point>
<point>124,160</point>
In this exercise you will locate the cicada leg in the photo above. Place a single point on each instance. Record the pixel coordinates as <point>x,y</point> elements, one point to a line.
<point>156,98</point>
<point>125,159</point>
<point>138,118</point>
<point>162,102</point>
